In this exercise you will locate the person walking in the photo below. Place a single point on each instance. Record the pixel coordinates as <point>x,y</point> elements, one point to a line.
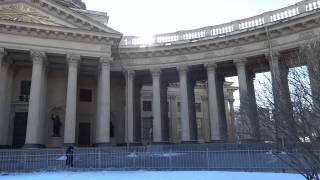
<point>69,154</point>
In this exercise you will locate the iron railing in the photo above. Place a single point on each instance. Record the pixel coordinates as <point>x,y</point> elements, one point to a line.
<point>155,157</point>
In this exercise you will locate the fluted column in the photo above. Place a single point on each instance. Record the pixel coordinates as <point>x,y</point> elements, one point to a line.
<point>103,104</point>
<point>34,124</point>
<point>184,104</point>
<point>71,107</point>
<point>214,109</point>
<point>156,106</point>
<point>129,131</point>
<point>248,108</point>
<point>285,127</point>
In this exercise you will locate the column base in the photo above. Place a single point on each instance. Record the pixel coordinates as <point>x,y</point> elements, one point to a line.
<point>249,141</point>
<point>189,142</point>
<point>134,144</point>
<point>69,144</point>
<point>5,147</point>
<point>217,141</point>
<point>102,145</point>
<point>34,146</point>
<point>160,143</point>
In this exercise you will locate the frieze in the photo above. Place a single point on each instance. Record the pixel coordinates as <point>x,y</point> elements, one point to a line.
<point>23,13</point>
<point>210,55</point>
<point>181,58</point>
<point>239,49</point>
<point>307,35</point>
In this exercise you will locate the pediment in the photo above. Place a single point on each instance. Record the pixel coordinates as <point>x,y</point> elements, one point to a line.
<point>21,12</point>
<point>47,12</point>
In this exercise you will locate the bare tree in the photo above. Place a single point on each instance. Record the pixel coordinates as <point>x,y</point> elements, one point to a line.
<point>296,138</point>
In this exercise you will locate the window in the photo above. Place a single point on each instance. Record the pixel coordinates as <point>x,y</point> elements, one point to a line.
<point>179,106</point>
<point>85,95</point>
<point>25,86</point>
<point>147,105</point>
<point>198,107</point>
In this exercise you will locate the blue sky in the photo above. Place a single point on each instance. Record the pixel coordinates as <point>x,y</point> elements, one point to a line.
<point>148,17</point>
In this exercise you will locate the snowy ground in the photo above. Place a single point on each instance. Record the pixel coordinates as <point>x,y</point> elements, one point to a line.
<point>151,175</point>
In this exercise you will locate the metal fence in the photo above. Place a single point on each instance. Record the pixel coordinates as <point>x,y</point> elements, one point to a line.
<point>194,157</point>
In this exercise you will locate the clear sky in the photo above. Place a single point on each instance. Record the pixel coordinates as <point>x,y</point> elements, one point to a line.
<point>148,17</point>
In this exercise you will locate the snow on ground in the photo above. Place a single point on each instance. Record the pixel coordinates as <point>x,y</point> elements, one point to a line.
<point>151,175</point>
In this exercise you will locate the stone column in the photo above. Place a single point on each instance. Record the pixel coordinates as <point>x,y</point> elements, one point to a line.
<point>184,104</point>
<point>233,129</point>
<point>222,113</point>
<point>156,106</point>
<point>314,76</point>
<point>129,125</point>
<point>285,128</point>
<point>248,108</point>
<point>205,125</point>
<point>164,110</point>
<point>174,134</point>
<point>192,109</point>
<point>71,107</point>
<point>34,128</point>
<point>3,91</point>
<point>214,109</point>
<point>253,107</point>
<point>2,56</point>
<point>137,113</point>
<point>103,104</point>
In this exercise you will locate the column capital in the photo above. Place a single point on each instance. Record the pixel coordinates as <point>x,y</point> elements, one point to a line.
<point>241,61</point>
<point>73,59</point>
<point>183,68</point>
<point>105,60</point>
<point>129,73</point>
<point>204,98</point>
<point>273,55</point>
<point>172,97</point>
<point>3,52</point>
<point>37,56</point>
<point>211,66</point>
<point>155,72</point>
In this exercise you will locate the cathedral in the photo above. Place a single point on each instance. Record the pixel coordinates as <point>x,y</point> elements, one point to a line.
<point>67,78</point>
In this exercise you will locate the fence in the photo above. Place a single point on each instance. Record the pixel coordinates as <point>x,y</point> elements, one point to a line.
<point>197,157</point>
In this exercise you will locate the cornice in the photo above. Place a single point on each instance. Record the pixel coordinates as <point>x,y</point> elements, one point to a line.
<point>234,40</point>
<point>84,29</point>
<point>42,31</point>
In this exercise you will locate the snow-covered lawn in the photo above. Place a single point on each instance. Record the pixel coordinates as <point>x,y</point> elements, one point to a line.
<point>151,175</point>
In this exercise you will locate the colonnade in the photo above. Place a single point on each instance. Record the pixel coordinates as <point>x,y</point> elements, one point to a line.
<point>217,121</point>
<point>35,123</point>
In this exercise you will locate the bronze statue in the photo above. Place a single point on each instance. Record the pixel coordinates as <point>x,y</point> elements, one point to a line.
<point>56,125</point>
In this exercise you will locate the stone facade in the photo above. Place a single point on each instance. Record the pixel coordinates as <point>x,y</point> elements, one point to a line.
<point>62,62</point>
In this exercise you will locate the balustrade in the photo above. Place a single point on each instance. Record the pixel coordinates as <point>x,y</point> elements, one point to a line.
<point>223,29</point>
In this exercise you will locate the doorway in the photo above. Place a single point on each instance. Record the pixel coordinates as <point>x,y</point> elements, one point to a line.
<point>20,128</point>
<point>84,135</point>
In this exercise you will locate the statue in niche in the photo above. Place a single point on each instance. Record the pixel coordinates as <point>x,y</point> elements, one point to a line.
<point>56,125</point>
